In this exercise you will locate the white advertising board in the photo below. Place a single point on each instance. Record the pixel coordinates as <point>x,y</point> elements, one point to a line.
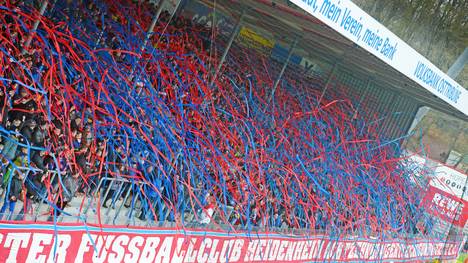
<point>358,26</point>
<point>450,181</point>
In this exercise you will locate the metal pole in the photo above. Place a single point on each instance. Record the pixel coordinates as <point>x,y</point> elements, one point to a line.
<point>453,72</point>
<point>422,111</point>
<point>148,35</point>
<point>122,204</point>
<point>458,65</point>
<point>387,125</point>
<point>401,106</point>
<point>363,95</point>
<point>231,40</point>
<point>153,24</point>
<point>35,26</point>
<point>327,84</point>
<point>176,8</point>
<point>285,65</point>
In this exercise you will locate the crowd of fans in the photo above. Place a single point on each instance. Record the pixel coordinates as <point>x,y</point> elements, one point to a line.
<point>27,164</point>
<point>35,171</point>
<point>53,157</point>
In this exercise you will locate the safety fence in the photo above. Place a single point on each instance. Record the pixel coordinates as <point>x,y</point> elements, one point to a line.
<point>121,202</point>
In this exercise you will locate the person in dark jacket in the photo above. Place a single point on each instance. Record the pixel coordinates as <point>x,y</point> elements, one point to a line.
<point>11,143</point>
<point>23,104</point>
<point>19,163</point>
<point>34,188</point>
<point>4,107</point>
<point>28,130</point>
<point>13,193</point>
<point>38,137</point>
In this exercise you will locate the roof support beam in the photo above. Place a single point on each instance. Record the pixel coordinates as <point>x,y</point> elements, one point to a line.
<point>285,65</point>
<point>35,26</point>
<point>363,95</point>
<point>329,80</point>
<point>458,65</point>
<point>152,25</point>
<point>226,50</point>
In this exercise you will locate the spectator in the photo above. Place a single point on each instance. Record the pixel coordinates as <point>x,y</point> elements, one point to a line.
<point>76,124</point>
<point>28,130</point>
<point>19,162</point>
<point>35,186</point>
<point>37,159</point>
<point>77,140</point>
<point>11,143</point>
<point>39,135</point>
<point>3,106</point>
<point>14,190</point>
<point>24,105</point>
<point>34,190</point>
<point>207,211</point>
<point>57,131</point>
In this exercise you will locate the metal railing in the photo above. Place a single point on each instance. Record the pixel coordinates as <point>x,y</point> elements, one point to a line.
<point>126,205</point>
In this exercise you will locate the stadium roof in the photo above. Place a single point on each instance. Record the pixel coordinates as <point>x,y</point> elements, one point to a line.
<point>286,23</point>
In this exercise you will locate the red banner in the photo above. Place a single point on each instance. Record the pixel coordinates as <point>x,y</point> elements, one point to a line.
<point>444,196</point>
<point>446,206</point>
<point>35,242</point>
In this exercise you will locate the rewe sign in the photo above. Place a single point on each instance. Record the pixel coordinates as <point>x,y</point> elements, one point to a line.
<point>444,196</point>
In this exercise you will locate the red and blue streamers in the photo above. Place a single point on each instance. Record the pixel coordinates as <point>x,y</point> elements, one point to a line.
<point>110,107</point>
